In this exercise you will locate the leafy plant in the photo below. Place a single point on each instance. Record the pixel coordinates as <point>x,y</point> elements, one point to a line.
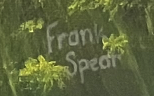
<point>31,25</point>
<point>114,44</point>
<point>44,74</point>
<point>83,5</point>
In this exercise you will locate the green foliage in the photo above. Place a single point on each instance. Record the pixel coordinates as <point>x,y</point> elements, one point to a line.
<point>110,6</point>
<point>20,11</point>
<point>89,4</point>
<point>81,5</point>
<point>43,73</point>
<point>31,25</point>
<point>115,44</point>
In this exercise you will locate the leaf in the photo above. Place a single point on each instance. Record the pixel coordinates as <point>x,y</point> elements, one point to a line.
<point>31,30</point>
<point>39,26</point>
<point>41,59</point>
<point>52,62</point>
<point>28,65</point>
